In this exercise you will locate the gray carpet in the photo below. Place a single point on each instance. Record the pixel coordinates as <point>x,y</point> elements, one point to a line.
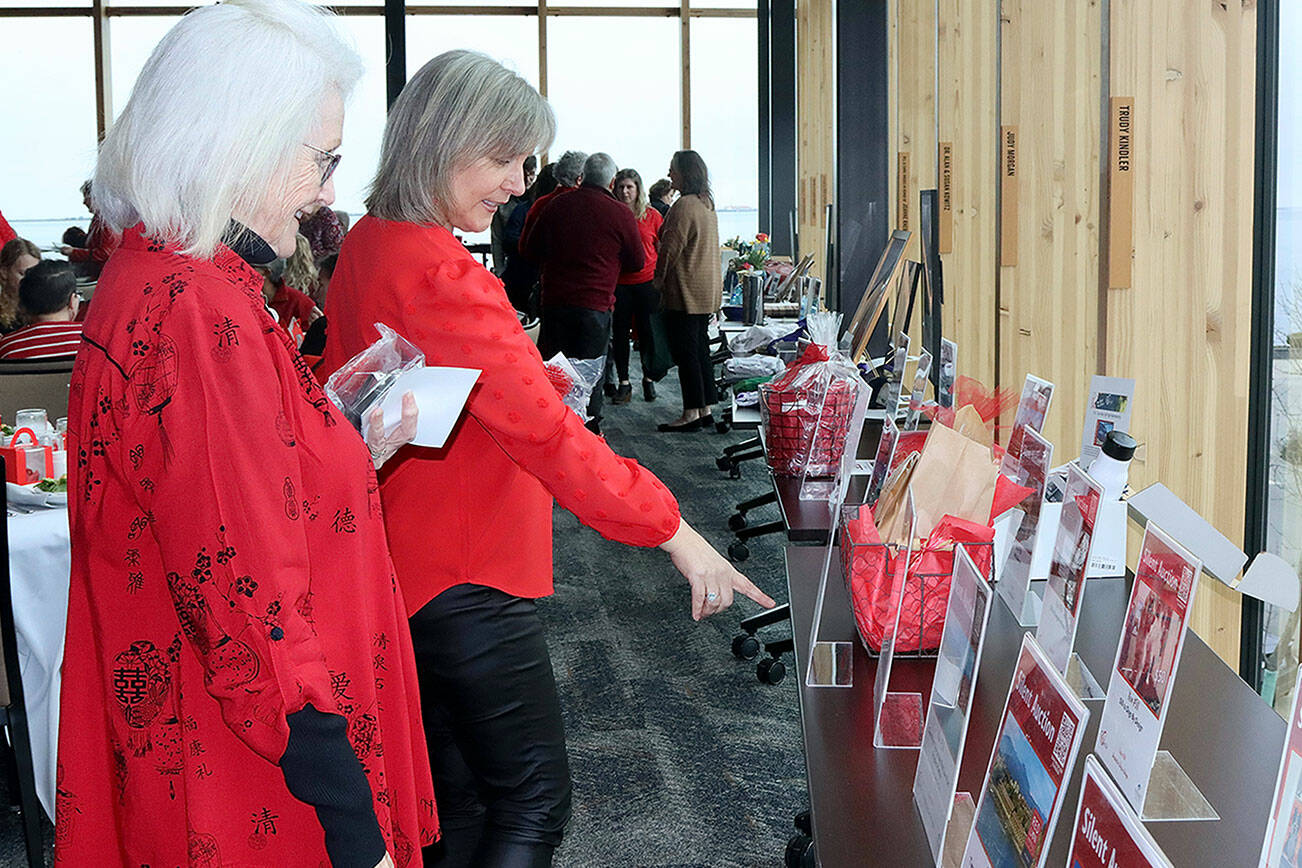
<point>680,757</point>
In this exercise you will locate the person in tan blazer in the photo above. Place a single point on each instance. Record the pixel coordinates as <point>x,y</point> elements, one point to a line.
<point>689,278</point>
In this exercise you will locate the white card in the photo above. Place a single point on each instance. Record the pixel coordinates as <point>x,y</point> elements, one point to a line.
<point>440,394</point>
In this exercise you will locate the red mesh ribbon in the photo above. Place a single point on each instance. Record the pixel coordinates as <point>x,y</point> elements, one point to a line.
<point>969,390</point>
<point>868,566</point>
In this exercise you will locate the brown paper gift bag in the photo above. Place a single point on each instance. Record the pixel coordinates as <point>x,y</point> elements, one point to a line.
<point>955,476</point>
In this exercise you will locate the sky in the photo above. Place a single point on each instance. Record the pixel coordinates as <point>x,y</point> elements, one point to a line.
<point>614,84</point>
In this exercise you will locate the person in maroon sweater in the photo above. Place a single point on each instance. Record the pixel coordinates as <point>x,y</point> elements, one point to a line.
<point>582,242</point>
<point>568,172</point>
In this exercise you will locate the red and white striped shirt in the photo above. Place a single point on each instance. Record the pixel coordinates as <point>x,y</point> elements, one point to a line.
<point>42,340</point>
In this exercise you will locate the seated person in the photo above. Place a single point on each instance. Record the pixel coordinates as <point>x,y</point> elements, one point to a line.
<point>48,295</point>
<point>101,241</point>
<point>16,257</point>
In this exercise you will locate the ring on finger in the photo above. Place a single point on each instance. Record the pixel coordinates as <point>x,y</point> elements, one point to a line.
<point>712,596</point>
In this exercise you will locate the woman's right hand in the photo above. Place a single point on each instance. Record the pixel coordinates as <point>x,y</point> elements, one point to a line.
<point>712,577</point>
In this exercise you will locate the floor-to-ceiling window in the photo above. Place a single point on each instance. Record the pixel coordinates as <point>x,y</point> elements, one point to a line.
<point>624,76</point>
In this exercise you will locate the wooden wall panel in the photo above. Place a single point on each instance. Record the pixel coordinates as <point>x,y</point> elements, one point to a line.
<point>968,46</point>
<point>1051,91</point>
<point>816,124</point>
<point>1183,327</point>
<point>915,110</point>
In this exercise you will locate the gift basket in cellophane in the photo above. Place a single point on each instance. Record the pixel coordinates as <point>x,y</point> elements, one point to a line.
<point>956,494</point>
<point>806,412</point>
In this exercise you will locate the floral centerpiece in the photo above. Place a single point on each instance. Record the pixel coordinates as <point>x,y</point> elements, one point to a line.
<point>751,255</point>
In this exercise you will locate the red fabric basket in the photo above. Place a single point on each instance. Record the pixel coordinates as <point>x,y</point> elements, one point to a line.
<point>867,564</point>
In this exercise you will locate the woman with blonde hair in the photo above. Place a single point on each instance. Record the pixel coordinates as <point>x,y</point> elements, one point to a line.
<point>636,296</point>
<point>453,153</point>
<point>238,679</point>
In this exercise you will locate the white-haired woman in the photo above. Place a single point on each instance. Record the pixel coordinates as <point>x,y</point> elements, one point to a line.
<point>470,524</point>
<point>238,679</point>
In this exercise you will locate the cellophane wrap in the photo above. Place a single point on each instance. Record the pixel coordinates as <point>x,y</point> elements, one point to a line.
<point>574,380</point>
<point>867,565</point>
<point>364,380</point>
<point>806,411</point>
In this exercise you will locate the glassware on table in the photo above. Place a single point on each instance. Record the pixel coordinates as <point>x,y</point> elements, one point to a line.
<point>37,420</point>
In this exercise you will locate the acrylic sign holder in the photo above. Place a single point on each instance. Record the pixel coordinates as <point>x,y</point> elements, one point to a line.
<point>947,814</point>
<point>831,662</point>
<point>897,717</point>
<point>1020,592</point>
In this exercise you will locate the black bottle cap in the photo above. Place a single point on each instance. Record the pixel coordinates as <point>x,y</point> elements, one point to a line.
<point>1119,445</point>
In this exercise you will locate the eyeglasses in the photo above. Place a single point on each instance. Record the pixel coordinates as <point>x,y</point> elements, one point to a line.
<point>328,165</point>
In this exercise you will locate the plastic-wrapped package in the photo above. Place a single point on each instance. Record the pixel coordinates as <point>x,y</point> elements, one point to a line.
<point>754,339</point>
<point>364,380</point>
<point>806,411</point>
<point>574,380</point>
<point>736,370</point>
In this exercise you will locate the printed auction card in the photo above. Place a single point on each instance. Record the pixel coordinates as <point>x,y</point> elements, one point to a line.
<point>1037,394</point>
<point>1034,754</point>
<point>948,373</point>
<point>1109,407</point>
<point>1107,833</point>
<point>1152,637</point>
<point>1071,554</point>
<point>1033,465</point>
<point>1283,847</point>
<point>945,732</point>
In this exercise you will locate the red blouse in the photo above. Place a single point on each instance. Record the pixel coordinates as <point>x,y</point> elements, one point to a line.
<point>228,568</point>
<point>480,509</point>
<point>648,228</point>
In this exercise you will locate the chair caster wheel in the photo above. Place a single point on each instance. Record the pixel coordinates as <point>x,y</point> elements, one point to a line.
<point>723,463</point>
<point>745,646</point>
<point>738,551</point>
<point>722,427</point>
<point>770,670</point>
<point>736,521</point>
<point>800,852</point>
<point>804,823</point>
<point>734,471</point>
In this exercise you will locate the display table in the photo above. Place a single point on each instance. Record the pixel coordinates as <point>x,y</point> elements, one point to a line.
<point>1222,733</point>
<point>39,567</point>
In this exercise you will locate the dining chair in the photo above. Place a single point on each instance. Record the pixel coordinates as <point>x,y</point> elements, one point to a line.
<point>13,710</point>
<point>40,384</point>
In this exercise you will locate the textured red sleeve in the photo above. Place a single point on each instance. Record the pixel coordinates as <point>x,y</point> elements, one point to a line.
<point>460,316</point>
<point>207,457</point>
<point>7,232</point>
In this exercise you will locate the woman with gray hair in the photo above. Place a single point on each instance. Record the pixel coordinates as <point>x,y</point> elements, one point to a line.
<point>238,680</point>
<point>470,524</point>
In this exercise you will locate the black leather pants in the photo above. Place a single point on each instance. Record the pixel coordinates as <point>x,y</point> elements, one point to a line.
<point>494,731</point>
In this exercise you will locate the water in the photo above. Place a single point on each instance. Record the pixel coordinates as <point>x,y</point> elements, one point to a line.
<point>47,233</point>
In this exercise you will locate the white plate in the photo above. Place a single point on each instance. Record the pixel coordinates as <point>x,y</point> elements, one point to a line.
<point>30,495</point>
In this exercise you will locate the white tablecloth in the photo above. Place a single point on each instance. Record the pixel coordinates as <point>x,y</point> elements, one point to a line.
<point>39,565</point>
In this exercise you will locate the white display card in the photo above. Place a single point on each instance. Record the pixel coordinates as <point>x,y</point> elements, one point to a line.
<point>945,732</point>
<point>919,389</point>
<point>1109,407</point>
<point>1034,462</point>
<point>1107,834</point>
<point>897,717</point>
<point>1037,395</point>
<point>1283,845</point>
<point>1033,757</point>
<point>1064,594</point>
<point>1139,683</point>
<point>831,662</point>
<point>947,374</point>
<point>440,395</point>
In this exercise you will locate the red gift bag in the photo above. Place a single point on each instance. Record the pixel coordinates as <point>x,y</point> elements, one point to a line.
<point>27,463</point>
<point>868,565</point>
